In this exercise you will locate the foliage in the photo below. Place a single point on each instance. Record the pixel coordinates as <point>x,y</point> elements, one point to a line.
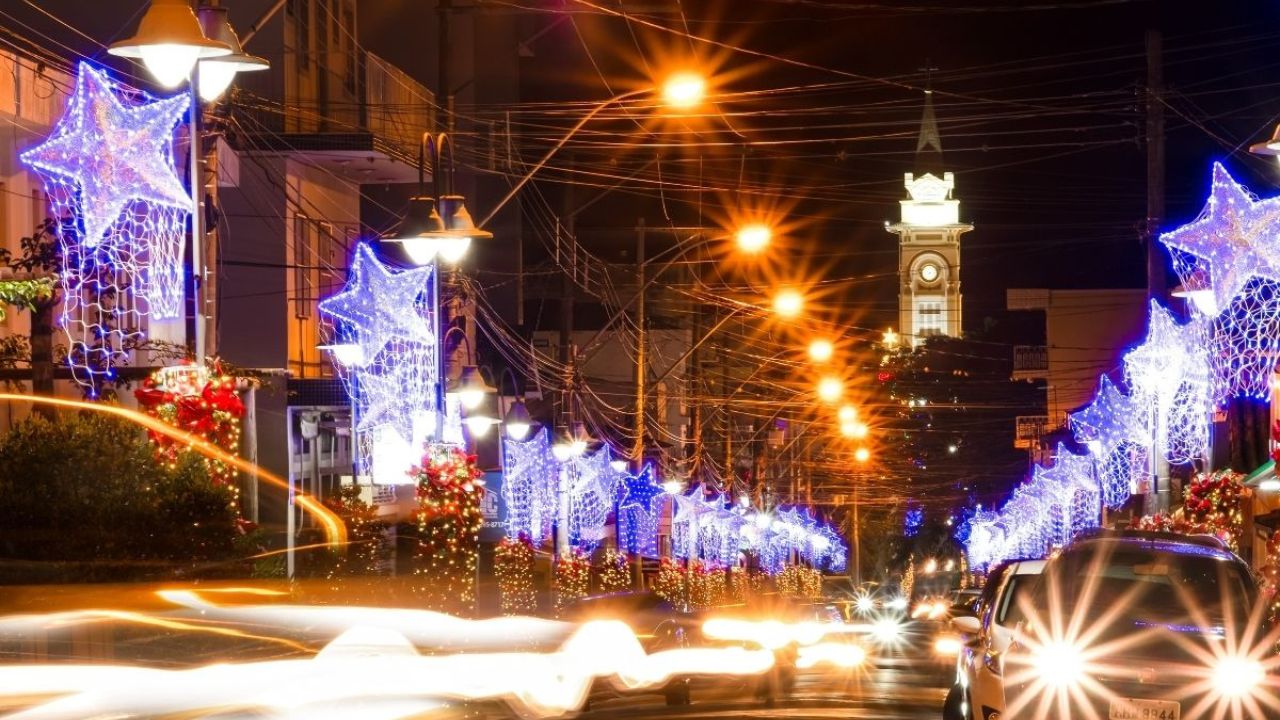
<point>572,577</point>
<point>449,519</point>
<point>513,566</point>
<point>84,487</point>
<point>26,294</point>
<point>670,584</point>
<point>368,549</point>
<point>613,573</point>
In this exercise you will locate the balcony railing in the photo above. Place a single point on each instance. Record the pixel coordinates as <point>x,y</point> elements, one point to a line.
<point>1030,361</point>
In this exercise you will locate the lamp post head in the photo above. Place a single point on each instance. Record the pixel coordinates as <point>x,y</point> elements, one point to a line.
<point>169,41</point>
<point>684,90</point>
<point>518,421</point>
<point>217,73</point>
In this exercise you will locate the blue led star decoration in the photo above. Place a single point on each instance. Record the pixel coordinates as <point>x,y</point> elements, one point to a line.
<point>640,492</point>
<point>1235,235</point>
<point>379,303</point>
<point>114,153</point>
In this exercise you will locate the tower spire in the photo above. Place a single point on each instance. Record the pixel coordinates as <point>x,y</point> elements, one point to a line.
<point>929,145</point>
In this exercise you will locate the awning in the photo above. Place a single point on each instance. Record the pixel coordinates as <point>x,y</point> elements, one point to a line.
<point>1264,478</point>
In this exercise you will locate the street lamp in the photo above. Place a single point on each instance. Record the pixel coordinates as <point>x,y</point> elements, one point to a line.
<point>437,224</point>
<point>821,350</point>
<point>471,387</point>
<point>347,354</point>
<point>889,339</point>
<point>217,73</point>
<point>172,45</point>
<point>830,388</point>
<point>518,422</point>
<point>754,237</point>
<point>684,90</point>
<point>169,41</point>
<point>788,303</point>
<point>862,455</point>
<point>847,414</point>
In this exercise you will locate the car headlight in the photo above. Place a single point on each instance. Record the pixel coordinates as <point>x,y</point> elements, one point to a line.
<point>1235,677</point>
<point>864,605</point>
<point>1060,664</point>
<point>898,603</point>
<point>886,630</point>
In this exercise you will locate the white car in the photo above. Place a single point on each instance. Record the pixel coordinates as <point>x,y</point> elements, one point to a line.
<point>978,692</point>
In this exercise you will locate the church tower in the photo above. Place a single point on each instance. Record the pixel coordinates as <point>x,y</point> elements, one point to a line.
<point>929,242</point>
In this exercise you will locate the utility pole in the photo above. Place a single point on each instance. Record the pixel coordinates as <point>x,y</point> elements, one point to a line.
<point>637,448</point>
<point>445,98</point>
<point>855,533</point>
<point>1157,498</point>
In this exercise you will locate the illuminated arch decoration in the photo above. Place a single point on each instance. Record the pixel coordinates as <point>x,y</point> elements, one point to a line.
<point>593,488</point>
<point>1170,373</point>
<point>121,213</point>
<point>529,487</point>
<point>1117,430</point>
<point>384,318</point>
<point>640,506</point>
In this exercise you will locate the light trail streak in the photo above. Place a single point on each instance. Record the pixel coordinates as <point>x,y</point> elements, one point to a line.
<point>372,665</point>
<point>334,530</point>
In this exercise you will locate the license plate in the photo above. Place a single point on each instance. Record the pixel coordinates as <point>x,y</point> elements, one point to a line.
<point>1134,709</point>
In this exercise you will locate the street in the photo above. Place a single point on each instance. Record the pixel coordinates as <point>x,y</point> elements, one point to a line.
<point>905,685</point>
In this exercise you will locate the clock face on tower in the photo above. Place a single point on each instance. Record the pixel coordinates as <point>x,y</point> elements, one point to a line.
<point>929,272</point>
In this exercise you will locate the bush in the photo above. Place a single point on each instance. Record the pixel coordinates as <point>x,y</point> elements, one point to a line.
<point>89,487</point>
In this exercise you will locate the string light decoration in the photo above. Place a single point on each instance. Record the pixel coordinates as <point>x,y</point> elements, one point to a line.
<point>670,584</point>
<point>593,487</point>
<point>1117,430</point>
<point>640,506</point>
<point>1235,236</point>
<point>369,550</point>
<point>385,320</point>
<point>1170,372</point>
<point>572,577</point>
<point>529,487</point>
<point>121,215</point>
<point>202,401</point>
<point>710,586</point>
<point>1270,572</point>
<point>1245,342</point>
<point>513,563</point>
<point>449,491</point>
<point>613,573</point>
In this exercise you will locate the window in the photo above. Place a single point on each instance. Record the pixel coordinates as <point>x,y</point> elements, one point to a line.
<point>303,28</point>
<point>929,319</point>
<point>303,265</point>
<point>349,22</point>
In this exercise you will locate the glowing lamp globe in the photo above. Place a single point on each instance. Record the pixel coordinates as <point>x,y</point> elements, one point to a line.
<point>684,90</point>
<point>618,465</point>
<point>346,354</point>
<point>169,41</point>
<point>561,451</point>
<point>830,389</point>
<point>862,455</point>
<point>479,425</point>
<point>788,303</point>
<point>754,238</point>
<point>471,388</point>
<point>672,487</point>
<point>453,249</point>
<point>518,421</point>
<point>821,350</point>
<point>847,414</point>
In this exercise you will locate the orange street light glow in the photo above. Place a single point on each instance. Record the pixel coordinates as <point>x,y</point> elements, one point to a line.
<point>830,389</point>
<point>684,90</point>
<point>862,455</point>
<point>821,350</point>
<point>754,237</point>
<point>788,303</point>
<point>847,414</point>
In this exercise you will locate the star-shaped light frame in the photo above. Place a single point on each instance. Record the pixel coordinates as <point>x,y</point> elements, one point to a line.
<point>115,154</point>
<point>381,305</point>
<point>1236,235</point>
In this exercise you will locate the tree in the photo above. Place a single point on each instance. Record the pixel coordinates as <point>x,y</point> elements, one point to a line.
<point>39,261</point>
<point>87,487</point>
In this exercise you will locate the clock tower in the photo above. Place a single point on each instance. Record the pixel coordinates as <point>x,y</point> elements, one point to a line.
<point>929,242</point>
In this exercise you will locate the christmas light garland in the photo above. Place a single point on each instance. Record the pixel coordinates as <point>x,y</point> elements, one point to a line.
<point>202,401</point>
<point>513,566</point>
<point>613,573</point>
<point>121,214</point>
<point>572,574</point>
<point>449,490</point>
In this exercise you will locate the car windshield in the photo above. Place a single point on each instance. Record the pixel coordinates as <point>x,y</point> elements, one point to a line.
<point>1155,583</point>
<point>1017,600</point>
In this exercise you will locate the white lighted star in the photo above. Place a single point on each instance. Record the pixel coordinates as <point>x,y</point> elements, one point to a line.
<point>116,154</point>
<point>1235,234</point>
<point>381,304</point>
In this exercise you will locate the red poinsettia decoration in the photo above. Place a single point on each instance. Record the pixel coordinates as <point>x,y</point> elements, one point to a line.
<point>205,403</point>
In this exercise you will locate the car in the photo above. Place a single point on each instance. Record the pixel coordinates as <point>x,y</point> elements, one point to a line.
<point>1144,625</point>
<point>984,636</point>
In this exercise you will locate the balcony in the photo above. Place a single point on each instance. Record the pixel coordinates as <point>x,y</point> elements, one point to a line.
<point>1030,362</point>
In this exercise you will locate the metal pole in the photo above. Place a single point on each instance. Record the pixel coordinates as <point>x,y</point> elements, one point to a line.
<point>197,217</point>
<point>637,447</point>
